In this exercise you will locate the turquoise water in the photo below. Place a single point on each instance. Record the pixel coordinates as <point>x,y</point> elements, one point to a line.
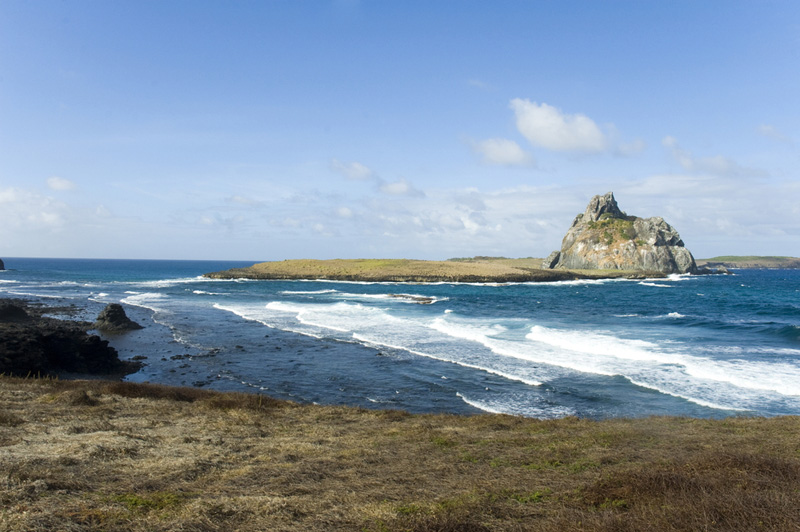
<point>706,346</point>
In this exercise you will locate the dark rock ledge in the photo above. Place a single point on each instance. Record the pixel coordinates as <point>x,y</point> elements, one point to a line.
<point>34,345</point>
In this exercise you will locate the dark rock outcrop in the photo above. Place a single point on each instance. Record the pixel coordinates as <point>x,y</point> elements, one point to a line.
<point>605,238</point>
<point>31,344</point>
<point>2,266</point>
<point>113,319</point>
<point>551,261</point>
<point>11,313</point>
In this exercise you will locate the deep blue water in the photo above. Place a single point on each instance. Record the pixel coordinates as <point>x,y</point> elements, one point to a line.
<point>706,346</point>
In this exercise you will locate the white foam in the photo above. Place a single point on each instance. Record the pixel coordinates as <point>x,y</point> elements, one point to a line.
<point>582,282</point>
<point>166,283</point>
<point>729,384</point>
<point>36,294</point>
<point>480,405</point>
<point>680,277</point>
<point>657,285</point>
<point>400,298</point>
<point>701,402</point>
<point>516,349</point>
<point>145,300</point>
<point>309,292</point>
<point>597,344</point>
<point>461,363</point>
<point>375,327</point>
<point>513,406</point>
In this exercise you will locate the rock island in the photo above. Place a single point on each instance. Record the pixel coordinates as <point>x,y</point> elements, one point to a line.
<point>603,242</point>
<point>604,237</point>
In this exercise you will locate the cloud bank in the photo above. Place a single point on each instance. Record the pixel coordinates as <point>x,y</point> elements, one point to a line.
<point>716,165</point>
<point>59,183</point>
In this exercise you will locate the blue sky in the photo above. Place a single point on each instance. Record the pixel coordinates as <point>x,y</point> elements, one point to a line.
<point>268,130</point>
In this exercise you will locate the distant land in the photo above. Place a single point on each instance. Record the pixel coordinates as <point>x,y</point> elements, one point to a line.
<point>750,261</point>
<point>479,269</point>
<point>463,270</point>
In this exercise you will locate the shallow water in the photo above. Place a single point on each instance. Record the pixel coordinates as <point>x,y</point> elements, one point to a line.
<point>705,346</point>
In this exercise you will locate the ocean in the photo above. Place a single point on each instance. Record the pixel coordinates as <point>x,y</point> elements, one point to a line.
<point>700,346</point>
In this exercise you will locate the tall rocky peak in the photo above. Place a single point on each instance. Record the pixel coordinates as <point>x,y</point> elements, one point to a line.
<point>600,205</point>
<point>605,238</point>
<point>2,266</point>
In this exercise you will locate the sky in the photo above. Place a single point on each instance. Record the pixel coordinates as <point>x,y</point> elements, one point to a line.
<point>277,129</point>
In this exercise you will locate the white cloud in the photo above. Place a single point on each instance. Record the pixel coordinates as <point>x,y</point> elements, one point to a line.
<point>344,212</point>
<point>353,170</point>
<point>503,152</point>
<point>25,209</point>
<point>546,126</point>
<point>59,183</point>
<point>400,188</point>
<point>716,165</point>
<point>715,215</point>
<point>771,132</point>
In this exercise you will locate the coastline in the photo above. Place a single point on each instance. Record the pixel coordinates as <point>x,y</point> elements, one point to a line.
<point>420,271</point>
<point>99,454</point>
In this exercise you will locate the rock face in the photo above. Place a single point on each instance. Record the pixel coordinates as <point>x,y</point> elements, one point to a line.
<point>113,319</point>
<point>605,238</point>
<point>2,266</point>
<point>31,344</point>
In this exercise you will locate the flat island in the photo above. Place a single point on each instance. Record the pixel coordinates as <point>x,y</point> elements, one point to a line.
<point>751,262</point>
<point>473,270</point>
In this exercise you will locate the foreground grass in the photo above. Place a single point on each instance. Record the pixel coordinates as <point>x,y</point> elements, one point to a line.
<point>479,270</point>
<point>117,456</point>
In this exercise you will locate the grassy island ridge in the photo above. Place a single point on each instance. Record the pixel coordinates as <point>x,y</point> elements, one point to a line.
<point>477,270</point>
<point>102,455</point>
<point>751,261</point>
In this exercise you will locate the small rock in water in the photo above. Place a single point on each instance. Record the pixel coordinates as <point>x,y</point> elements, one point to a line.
<point>113,319</point>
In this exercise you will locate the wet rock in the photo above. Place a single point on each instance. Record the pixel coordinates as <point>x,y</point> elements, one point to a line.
<point>31,344</point>
<point>11,313</point>
<point>114,320</point>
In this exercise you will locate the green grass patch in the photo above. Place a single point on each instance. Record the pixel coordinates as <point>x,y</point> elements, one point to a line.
<point>151,501</point>
<point>441,441</point>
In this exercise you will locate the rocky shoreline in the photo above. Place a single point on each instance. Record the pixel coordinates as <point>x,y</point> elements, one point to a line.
<point>34,344</point>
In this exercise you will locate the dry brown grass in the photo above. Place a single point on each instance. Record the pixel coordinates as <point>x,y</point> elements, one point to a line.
<point>405,270</point>
<point>118,456</point>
